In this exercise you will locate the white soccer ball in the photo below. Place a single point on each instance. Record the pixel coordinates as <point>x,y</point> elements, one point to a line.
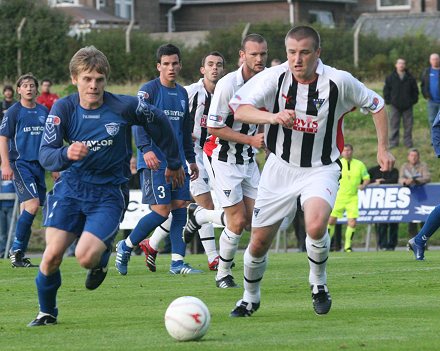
<point>187,318</point>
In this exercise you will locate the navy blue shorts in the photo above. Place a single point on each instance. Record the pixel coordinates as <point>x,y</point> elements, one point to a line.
<point>156,191</point>
<point>29,180</point>
<point>75,207</point>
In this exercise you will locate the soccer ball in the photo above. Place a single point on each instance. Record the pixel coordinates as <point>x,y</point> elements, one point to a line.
<point>187,318</point>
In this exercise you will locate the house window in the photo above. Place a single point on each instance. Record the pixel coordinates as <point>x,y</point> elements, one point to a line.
<point>393,4</point>
<point>123,8</point>
<point>102,3</point>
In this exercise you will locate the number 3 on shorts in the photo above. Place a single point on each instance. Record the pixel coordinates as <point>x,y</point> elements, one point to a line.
<point>161,190</point>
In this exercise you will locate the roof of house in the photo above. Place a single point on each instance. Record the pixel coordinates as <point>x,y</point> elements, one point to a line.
<point>398,25</point>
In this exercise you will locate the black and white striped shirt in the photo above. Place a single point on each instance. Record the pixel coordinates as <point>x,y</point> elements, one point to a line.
<point>199,102</point>
<point>316,138</point>
<point>220,115</point>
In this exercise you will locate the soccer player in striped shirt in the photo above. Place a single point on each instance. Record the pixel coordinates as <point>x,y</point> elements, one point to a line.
<point>302,104</point>
<point>229,157</point>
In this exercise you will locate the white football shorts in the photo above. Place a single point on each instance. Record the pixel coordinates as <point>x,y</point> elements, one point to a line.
<point>281,184</point>
<point>231,182</point>
<point>201,184</point>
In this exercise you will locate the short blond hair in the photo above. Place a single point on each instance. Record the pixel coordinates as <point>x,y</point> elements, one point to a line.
<point>87,59</point>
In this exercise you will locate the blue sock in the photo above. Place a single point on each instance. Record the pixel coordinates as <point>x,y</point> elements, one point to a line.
<point>431,225</point>
<point>23,231</point>
<point>178,246</point>
<point>104,258</point>
<point>47,286</point>
<point>176,263</point>
<point>144,227</point>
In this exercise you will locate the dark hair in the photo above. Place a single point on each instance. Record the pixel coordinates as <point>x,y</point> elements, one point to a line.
<point>252,37</point>
<point>25,77</point>
<point>348,145</point>
<point>213,53</point>
<point>302,32</point>
<point>46,80</point>
<point>8,87</point>
<point>413,149</point>
<point>167,50</point>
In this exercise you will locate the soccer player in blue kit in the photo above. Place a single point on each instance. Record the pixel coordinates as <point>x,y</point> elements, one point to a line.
<point>172,98</point>
<point>20,136</point>
<point>89,199</point>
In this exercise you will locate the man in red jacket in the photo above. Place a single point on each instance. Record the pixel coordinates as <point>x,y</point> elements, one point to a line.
<point>47,98</point>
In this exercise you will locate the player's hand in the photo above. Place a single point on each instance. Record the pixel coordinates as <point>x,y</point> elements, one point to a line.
<point>385,159</point>
<point>77,151</point>
<point>258,141</point>
<point>284,118</point>
<point>177,177</point>
<point>194,137</point>
<point>193,171</point>
<point>55,176</point>
<point>151,160</point>
<point>7,173</point>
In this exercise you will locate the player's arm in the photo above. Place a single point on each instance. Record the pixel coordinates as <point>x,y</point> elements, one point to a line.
<point>188,145</point>
<point>158,127</point>
<point>384,157</point>
<point>54,155</point>
<point>227,133</point>
<point>251,114</point>
<point>7,172</point>
<point>144,144</point>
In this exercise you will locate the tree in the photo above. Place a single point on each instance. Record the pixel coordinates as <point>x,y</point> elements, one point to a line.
<point>44,43</point>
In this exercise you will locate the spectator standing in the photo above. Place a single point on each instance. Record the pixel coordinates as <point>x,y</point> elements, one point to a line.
<point>430,87</point>
<point>401,93</point>
<point>387,232</point>
<point>354,177</point>
<point>8,99</point>
<point>47,98</point>
<point>414,172</point>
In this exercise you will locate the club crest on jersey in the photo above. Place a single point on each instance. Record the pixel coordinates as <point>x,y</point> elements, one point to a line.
<point>183,104</point>
<point>215,118</point>
<point>374,104</point>
<point>112,128</point>
<point>256,212</point>
<point>318,103</point>
<point>227,192</point>
<point>143,95</point>
<point>53,120</point>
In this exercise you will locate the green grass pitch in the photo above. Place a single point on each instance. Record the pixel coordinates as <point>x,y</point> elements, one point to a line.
<point>381,301</point>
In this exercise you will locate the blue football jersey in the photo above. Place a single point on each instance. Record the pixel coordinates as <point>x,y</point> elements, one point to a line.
<point>174,103</point>
<point>24,128</point>
<point>106,131</point>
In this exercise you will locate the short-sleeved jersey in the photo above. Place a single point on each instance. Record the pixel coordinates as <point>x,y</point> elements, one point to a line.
<point>220,115</point>
<point>106,131</point>
<point>316,137</point>
<point>174,103</point>
<point>199,103</point>
<point>353,173</point>
<point>24,128</point>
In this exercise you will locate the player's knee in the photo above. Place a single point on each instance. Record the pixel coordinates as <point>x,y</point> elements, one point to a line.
<point>86,259</point>
<point>51,261</point>
<point>32,207</point>
<point>316,230</point>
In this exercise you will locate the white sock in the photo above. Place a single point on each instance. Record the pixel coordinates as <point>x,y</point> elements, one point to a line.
<point>176,257</point>
<point>210,216</point>
<point>207,238</point>
<point>254,268</point>
<point>228,247</point>
<point>128,242</point>
<point>160,233</point>
<point>317,252</point>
